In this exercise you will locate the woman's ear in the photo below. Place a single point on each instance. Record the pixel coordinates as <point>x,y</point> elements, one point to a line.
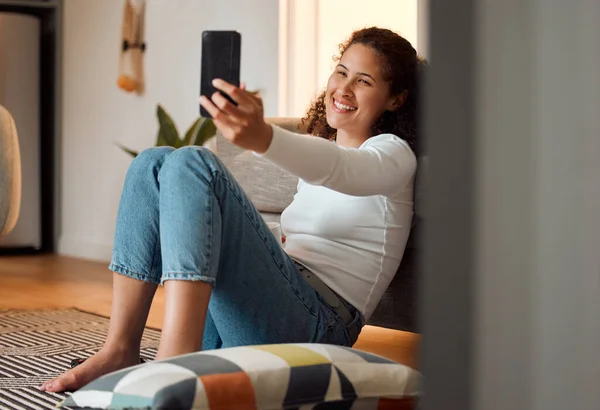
<point>398,101</point>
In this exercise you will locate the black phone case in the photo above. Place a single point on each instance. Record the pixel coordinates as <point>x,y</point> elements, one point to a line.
<point>220,59</point>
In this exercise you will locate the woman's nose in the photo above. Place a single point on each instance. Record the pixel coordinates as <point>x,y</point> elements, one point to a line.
<point>345,89</point>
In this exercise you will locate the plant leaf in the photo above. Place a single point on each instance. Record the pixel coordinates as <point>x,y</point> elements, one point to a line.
<point>191,132</point>
<point>206,130</point>
<point>129,151</point>
<point>167,132</point>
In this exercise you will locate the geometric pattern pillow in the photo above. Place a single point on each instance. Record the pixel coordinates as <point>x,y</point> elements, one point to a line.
<point>279,376</point>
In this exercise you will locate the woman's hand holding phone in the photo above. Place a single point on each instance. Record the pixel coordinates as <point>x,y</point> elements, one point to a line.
<point>244,125</point>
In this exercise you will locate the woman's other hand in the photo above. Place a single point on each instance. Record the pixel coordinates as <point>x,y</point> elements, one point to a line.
<point>244,124</point>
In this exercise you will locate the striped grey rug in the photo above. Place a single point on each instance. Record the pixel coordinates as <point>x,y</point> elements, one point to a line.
<point>38,345</point>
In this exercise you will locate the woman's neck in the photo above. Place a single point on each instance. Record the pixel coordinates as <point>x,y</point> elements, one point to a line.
<point>350,140</point>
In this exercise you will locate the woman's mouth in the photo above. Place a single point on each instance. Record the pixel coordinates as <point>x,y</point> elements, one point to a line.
<point>342,108</point>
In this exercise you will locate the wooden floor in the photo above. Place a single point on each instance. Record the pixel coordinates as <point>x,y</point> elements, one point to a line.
<point>51,281</point>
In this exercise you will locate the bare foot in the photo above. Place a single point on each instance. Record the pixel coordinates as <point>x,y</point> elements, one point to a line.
<point>103,362</point>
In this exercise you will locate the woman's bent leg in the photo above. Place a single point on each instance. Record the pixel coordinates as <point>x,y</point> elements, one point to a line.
<point>185,303</point>
<point>211,233</point>
<point>131,298</point>
<point>136,258</point>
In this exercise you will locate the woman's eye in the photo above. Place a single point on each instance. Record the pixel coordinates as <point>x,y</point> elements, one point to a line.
<point>364,81</point>
<point>343,74</point>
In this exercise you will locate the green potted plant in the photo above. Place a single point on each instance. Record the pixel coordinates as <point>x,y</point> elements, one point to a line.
<point>197,134</point>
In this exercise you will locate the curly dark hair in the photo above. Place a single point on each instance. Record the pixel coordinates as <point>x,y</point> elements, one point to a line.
<point>402,68</point>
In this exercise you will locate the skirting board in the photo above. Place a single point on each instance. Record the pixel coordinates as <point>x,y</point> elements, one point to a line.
<point>79,247</point>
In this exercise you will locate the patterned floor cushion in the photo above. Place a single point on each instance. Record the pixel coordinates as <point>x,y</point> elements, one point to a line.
<point>285,376</point>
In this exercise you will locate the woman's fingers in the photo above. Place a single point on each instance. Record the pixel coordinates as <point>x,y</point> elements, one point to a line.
<point>221,120</point>
<point>219,107</point>
<point>245,128</point>
<point>257,99</point>
<point>246,102</point>
<point>238,95</point>
<point>208,105</point>
<point>225,105</point>
<point>228,126</point>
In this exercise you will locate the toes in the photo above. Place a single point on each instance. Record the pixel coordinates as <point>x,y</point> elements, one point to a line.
<point>47,384</point>
<point>67,382</point>
<point>50,386</point>
<point>56,387</point>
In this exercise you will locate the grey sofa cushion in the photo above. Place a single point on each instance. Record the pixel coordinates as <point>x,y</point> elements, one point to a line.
<point>270,188</point>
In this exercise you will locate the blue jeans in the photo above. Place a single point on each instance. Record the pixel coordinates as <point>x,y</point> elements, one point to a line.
<point>183,216</point>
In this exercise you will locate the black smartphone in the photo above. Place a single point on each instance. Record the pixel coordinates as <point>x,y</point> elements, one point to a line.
<point>220,59</point>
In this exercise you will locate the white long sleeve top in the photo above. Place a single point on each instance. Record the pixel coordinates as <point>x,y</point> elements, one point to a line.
<point>351,216</point>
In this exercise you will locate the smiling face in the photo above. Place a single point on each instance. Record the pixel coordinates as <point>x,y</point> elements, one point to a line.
<point>357,94</point>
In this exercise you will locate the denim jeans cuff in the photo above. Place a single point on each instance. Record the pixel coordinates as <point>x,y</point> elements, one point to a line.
<point>122,270</point>
<point>188,276</point>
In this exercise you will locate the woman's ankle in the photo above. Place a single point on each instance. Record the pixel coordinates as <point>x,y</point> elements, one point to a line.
<point>120,349</point>
<point>176,350</point>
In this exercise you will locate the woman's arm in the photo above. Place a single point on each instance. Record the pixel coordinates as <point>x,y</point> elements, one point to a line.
<point>383,166</point>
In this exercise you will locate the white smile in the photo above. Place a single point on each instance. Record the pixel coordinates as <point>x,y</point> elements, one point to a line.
<point>343,107</point>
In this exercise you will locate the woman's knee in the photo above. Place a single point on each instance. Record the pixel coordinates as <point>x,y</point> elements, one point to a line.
<point>147,164</point>
<point>194,158</point>
<point>152,157</point>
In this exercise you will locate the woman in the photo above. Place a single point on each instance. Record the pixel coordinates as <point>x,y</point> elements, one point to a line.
<point>184,221</point>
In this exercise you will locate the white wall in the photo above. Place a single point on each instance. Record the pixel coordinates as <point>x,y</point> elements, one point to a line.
<point>96,113</point>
